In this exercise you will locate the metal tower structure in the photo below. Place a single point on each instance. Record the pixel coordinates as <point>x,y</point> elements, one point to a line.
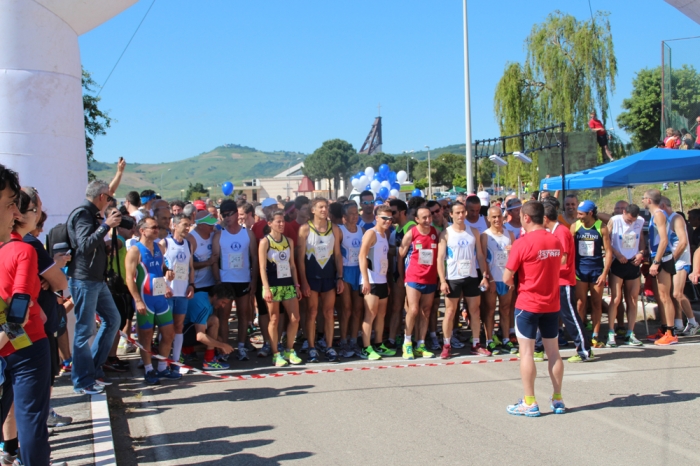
<point>373,143</point>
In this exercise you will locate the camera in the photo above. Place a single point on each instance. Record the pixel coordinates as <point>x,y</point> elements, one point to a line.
<point>127,223</point>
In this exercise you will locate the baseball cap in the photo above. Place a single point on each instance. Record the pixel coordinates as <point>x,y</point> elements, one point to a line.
<point>206,220</point>
<point>586,206</point>
<point>484,198</point>
<point>268,202</point>
<point>200,205</point>
<point>513,204</point>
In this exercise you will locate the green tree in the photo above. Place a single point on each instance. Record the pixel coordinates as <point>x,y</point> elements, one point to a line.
<point>443,167</point>
<point>332,161</point>
<point>569,70</point>
<point>374,161</point>
<point>642,115</point>
<point>96,120</point>
<point>196,191</point>
<point>400,163</point>
<point>486,169</point>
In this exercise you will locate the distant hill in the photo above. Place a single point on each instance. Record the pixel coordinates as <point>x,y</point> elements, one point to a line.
<point>229,162</point>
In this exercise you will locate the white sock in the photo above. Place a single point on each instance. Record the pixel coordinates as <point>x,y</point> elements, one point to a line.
<point>162,365</point>
<point>147,368</point>
<point>475,341</point>
<point>177,346</point>
<point>407,339</point>
<point>678,323</point>
<point>488,342</point>
<point>447,341</point>
<point>692,321</point>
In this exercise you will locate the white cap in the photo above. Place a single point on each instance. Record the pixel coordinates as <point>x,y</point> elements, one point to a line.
<point>484,197</point>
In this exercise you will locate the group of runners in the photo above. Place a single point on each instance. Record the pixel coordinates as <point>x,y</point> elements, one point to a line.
<point>380,269</point>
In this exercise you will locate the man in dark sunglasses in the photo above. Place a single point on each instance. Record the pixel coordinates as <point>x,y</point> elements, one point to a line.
<point>367,205</point>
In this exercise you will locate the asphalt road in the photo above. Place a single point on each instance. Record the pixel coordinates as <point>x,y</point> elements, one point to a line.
<point>631,406</point>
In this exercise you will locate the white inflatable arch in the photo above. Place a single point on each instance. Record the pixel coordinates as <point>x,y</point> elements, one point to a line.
<point>42,131</point>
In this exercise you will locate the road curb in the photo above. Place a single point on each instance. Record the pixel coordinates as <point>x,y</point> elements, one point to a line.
<point>102,441</point>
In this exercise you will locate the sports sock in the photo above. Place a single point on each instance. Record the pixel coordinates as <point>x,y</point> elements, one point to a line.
<point>11,446</point>
<point>209,355</point>
<point>678,323</point>
<point>629,333</point>
<point>147,368</point>
<point>475,341</point>
<point>162,365</point>
<point>447,341</point>
<point>692,321</point>
<point>407,340</point>
<point>488,342</point>
<point>557,397</point>
<point>177,346</point>
<point>594,335</point>
<point>420,342</point>
<point>530,400</point>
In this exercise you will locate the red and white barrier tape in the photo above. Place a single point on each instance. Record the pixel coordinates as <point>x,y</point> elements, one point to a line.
<point>465,362</point>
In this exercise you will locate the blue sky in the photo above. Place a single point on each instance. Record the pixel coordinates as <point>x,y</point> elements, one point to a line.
<point>288,75</point>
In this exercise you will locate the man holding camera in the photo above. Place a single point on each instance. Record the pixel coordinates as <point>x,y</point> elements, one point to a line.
<point>87,229</point>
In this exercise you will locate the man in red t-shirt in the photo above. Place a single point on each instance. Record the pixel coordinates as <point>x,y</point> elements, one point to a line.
<point>597,126</point>
<point>536,258</point>
<point>567,283</point>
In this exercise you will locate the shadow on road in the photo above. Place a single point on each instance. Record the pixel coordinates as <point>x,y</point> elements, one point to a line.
<point>642,352</point>
<point>249,458</point>
<point>665,397</point>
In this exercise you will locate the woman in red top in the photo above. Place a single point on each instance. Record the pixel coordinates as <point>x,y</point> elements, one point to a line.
<point>27,375</point>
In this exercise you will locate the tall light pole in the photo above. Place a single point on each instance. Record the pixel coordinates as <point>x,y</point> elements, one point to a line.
<point>182,194</point>
<point>430,183</point>
<point>161,180</point>
<point>408,159</point>
<point>467,108</point>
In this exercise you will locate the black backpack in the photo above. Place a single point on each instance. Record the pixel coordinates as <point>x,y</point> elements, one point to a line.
<point>58,239</point>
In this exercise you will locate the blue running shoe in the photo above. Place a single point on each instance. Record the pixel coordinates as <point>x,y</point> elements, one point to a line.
<point>331,355</point>
<point>313,355</point>
<point>215,365</point>
<point>521,409</point>
<point>168,374</point>
<point>557,406</point>
<point>151,377</point>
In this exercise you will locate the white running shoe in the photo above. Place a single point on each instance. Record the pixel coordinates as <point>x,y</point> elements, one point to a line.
<point>690,330</point>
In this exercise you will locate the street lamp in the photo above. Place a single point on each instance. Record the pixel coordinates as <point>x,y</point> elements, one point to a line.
<point>408,158</point>
<point>161,180</point>
<point>182,194</point>
<point>430,184</point>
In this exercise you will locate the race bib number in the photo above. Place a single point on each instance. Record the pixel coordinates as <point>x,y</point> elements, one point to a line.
<point>465,267</point>
<point>425,257</point>
<point>501,259</point>
<point>323,252</point>
<point>629,241</point>
<point>284,270</point>
<point>353,256</point>
<point>384,266</point>
<point>182,271</point>
<point>159,286</point>
<point>235,260</point>
<point>585,248</point>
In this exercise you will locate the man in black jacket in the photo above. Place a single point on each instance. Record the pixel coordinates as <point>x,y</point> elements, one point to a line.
<point>87,230</point>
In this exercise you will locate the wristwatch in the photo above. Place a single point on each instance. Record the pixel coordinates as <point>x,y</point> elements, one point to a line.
<point>655,262</point>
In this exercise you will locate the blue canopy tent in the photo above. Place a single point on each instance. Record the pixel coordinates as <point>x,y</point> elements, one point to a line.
<point>647,167</point>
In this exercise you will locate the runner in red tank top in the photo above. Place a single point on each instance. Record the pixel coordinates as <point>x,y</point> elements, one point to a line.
<point>419,251</point>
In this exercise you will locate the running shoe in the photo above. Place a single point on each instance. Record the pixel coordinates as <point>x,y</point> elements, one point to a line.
<point>632,341</point>
<point>509,347</point>
<point>265,350</point>
<point>321,343</point>
<point>597,343</point>
<point>538,356</point>
<point>690,330</point>
<point>611,340</point>
<point>130,348</point>
<point>666,340</point>
<point>249,346</point>
<point>521,409</point>
<point>104,381</point>
<point>215,365</point>
<point>151,377</point>
<point>496,339</point>
<point>7,459</point>
<point>175,368</point>
<point>356,349</point>
<point>455,343</point>
<point>331,355</point>
<point>291,356</point>
<point>557,406</point>
<point>445,352</point>
<point>279,361</point>
<point>478,350</point>
<point>383,350</point>
<point>224,357</point>
<point>434,343</point>
<point>91,390</point>
<point>346,351</point>
<point>494,348</point>
<point>280,347</point>
<point>589,326</point>
<point>56,420</point>
<point>65,369</point>
<point>621,332</point>
<point>242,354</point>
<point>188,358</point>
<point>370,353</point>
<point>422,352</point>
<point>112,366</point>
<point>399,341</point>
<point>313,355</point>
<point>659,334</point>
<point>407,351</point>
<point>563,342</point>
<point>305,346</point>
<point>168,374</point>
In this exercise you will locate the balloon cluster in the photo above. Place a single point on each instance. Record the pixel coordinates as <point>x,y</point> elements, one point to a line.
<point>227,188</point>
<point>383,183</point>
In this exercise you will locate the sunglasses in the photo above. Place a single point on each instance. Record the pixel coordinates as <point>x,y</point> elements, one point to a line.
<point>228,214</point>
<point>385,218</point>
<point>367,202</point>
<point>435,211</point>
